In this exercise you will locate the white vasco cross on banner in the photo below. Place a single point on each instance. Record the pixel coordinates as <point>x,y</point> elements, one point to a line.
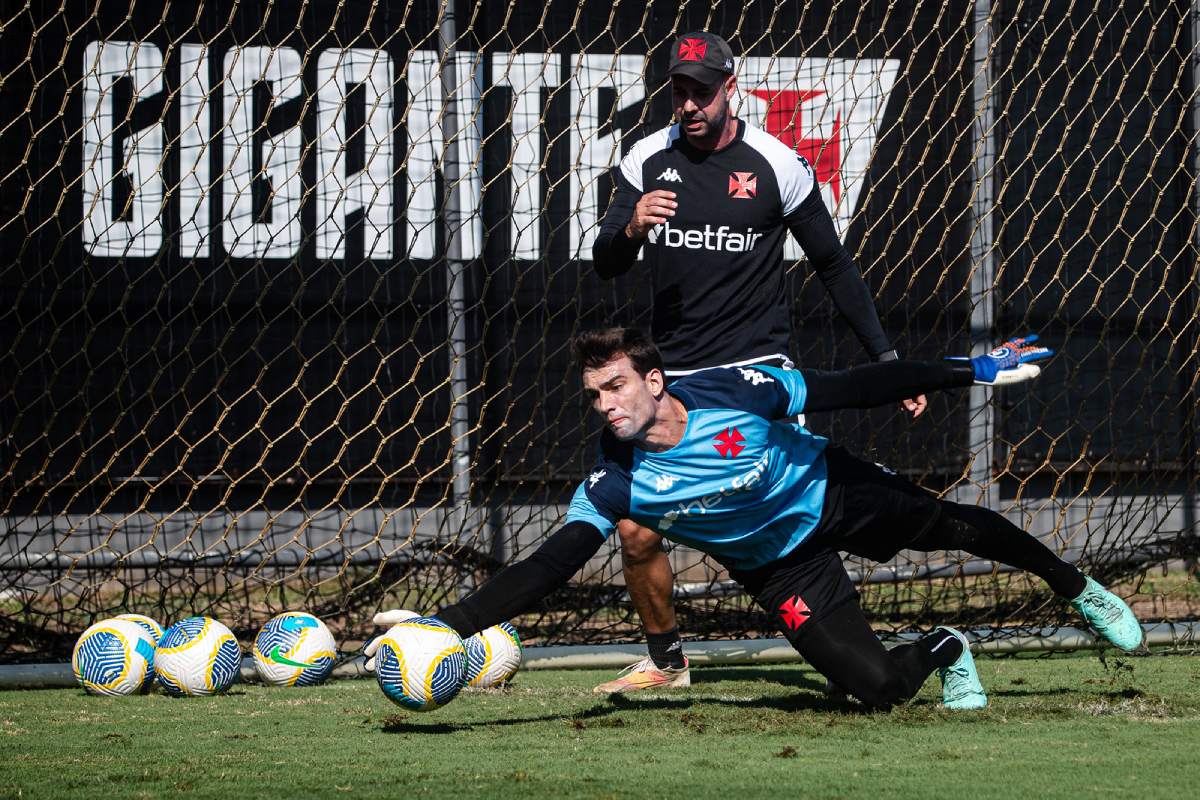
<point>670,175</point>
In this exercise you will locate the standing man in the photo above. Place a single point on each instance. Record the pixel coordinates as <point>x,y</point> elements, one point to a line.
<point>709,201</point>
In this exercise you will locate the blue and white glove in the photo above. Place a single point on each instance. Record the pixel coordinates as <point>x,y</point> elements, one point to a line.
<point>1011,362</point>
<point>388,618</point>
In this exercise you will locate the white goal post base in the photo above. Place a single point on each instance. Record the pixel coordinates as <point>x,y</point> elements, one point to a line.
<point>720,652</point>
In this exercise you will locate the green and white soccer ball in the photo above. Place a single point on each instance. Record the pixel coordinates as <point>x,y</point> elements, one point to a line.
<point>420,664</point>
<point>493,656</point>
<point>197,656</point>
<point>113,657</point>
<point>294,649</point>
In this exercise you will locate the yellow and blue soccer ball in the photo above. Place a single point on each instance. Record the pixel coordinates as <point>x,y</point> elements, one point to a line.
<point>149,624</point>
<point>113,657</point>
<point>493,656</point>
<point>197,656</point>
<point>421,664</point>
<point>155,630</point>
<point>294,649</point>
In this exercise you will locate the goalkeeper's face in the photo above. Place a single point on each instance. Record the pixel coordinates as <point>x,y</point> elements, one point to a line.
<point>627,401</point>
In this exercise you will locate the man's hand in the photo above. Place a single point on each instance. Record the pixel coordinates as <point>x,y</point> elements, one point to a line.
<point>388,618</point>
<point>916,406</point>
<point>653,209</point>
<point>1011,362</point>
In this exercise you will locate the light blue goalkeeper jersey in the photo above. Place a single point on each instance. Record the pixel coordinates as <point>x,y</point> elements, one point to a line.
<point>742,485</point>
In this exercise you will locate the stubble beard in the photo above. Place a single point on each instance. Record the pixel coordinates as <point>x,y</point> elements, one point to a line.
<point>712,131</point>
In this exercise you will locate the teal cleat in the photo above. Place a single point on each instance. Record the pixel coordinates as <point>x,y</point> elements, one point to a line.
<point>961,689</point>
<point>1109,615</point>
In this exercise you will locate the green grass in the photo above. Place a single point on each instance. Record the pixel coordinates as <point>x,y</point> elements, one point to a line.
<point>1056,727</point>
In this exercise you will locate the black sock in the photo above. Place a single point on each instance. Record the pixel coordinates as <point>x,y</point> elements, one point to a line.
<point>917,660</point>
<point>666,649</point>
<point>939,649</point>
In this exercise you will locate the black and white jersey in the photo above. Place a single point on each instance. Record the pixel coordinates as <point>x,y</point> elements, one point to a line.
<point>716,267</point>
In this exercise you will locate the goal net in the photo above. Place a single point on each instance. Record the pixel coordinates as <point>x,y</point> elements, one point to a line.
<point>288,288</point>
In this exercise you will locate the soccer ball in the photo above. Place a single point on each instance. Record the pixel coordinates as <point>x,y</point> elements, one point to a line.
<point>420,664</point>
<point>150,625</point>
<point>294,649</point>
<point>155,630</point>
<point>113,657</point>
<point>197,656</point>
<point>493,656</point>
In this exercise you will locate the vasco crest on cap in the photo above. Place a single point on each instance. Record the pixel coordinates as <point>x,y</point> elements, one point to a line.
<point>702,56</point>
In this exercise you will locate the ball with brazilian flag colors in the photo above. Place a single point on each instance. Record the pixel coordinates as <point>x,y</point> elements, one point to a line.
<point>113,657</point>
<point>421,664</point>
<point>294,648</point>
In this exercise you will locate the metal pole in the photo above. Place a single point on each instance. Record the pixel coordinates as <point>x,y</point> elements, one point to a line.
<point>981,421</point>
<point>454,226</point>
<point>1191,489</point>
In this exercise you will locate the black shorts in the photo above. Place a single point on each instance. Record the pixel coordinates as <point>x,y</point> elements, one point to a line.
<point>804,585</point>
<point>869,511</point>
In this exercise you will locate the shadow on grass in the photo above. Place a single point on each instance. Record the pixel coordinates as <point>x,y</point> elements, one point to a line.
<point>809,697</point>
<point>399,723</point>
<point>1014,693</point>
<point>784,677</point>
<point>800,701</point>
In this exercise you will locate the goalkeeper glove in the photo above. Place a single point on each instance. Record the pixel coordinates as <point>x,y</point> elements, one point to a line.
<point>388,618</point>
<point>1011,362</point>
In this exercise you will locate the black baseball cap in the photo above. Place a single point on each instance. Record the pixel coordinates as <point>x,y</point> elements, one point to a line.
<point>701,55</point>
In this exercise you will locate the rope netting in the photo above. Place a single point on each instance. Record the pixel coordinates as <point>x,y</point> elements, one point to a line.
<point>288,289</point>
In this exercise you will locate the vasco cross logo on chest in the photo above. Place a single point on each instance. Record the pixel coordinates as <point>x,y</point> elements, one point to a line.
<point>743,185</point>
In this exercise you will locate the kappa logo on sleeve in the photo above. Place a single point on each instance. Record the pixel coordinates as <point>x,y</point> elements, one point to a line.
<point>595,477</point>
<point>754,376</point>
<point>670,175</point>
<point>663,483</point>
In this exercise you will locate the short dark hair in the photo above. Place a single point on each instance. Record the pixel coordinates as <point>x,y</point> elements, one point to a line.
<point>595,348</point>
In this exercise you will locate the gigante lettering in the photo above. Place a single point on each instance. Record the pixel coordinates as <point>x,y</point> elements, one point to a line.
<point>251,118</point>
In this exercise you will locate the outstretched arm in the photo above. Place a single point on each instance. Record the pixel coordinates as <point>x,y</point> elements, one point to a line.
<point>518,587</point>
<point>875,385</point>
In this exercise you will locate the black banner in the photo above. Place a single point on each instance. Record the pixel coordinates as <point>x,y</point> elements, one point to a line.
<point>266,299</point>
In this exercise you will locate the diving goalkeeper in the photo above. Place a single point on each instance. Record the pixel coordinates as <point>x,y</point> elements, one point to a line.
<point>711,464</point>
